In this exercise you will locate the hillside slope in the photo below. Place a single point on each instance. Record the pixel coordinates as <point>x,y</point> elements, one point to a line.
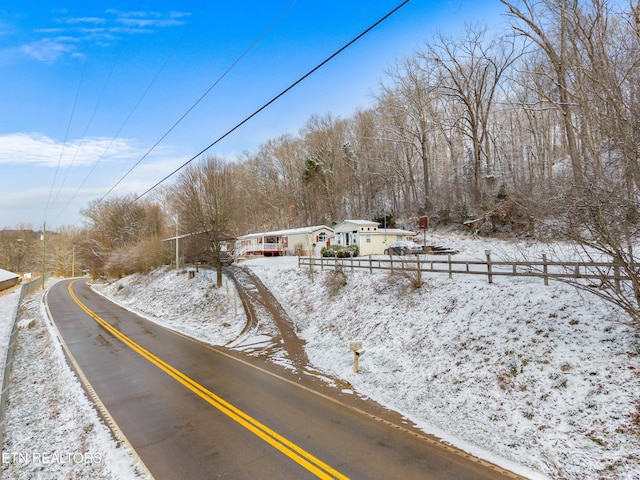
<point>545,377</point>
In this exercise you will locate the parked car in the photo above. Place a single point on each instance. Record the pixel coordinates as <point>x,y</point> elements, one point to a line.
<point>403,247</point>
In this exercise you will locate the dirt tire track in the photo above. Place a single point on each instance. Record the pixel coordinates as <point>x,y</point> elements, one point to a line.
<point>254,294</point>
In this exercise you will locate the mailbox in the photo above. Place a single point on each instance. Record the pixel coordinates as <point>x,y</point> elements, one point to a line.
<point>356,348</point>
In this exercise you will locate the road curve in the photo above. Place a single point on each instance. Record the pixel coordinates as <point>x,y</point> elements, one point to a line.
<point>193,411</point>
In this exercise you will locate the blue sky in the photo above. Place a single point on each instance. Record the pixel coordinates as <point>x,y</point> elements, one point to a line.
<point>87,88</point>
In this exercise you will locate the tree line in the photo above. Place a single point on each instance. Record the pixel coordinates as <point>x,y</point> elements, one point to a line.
<point>532,130</point>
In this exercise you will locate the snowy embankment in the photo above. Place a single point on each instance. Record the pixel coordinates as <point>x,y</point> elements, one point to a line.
<point>194,307</point>
<point>547,377</point>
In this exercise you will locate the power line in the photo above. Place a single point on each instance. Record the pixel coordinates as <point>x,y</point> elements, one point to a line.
<point>213,85</point>
<point>84,135</point>
<point>131,112</point>
<point>66,136</point>
<point>283,92</point>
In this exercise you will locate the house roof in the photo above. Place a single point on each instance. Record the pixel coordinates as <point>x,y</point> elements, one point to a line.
<point>223,236</point>
<point>388,231</point>
<point>394,231</point>
<point>7,275</point>
<point>360,222</point>
<point>292,231</point>
<point>344,225</point>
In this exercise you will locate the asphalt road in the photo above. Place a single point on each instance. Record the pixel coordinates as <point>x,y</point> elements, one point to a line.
<point>193,411</point>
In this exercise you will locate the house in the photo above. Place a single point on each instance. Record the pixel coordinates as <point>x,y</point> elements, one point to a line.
<point>297,241</point>
<point>368,236</point>
<point>8,279</point>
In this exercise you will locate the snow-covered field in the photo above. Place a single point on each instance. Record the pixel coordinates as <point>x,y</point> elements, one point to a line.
<point>542,380</point>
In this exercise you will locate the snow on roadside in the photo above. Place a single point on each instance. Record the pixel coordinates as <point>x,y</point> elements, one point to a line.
<point>192,306</point>
<point>52,430</point>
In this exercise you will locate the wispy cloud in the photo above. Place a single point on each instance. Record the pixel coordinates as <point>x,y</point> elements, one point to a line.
<point>33,157</point>
<point>67,34</point>
<point>36,197</point>
<point>48,50</point>
<point>85,20</point>
<point>148,21</point>
<point>40,150</point>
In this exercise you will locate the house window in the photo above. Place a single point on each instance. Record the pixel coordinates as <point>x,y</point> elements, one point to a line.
<point>322,237</point>
<point>368,238</point>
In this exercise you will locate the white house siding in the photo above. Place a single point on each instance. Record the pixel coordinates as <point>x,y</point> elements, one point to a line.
<point>309,240</point>
<point>370,239</point>
<point>306,240</point>
<point>349,232</point>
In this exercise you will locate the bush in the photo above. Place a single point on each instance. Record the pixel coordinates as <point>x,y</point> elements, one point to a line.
<point>331,251</point>
<point>334,280</point>
<point>141,257</point>
<point>340,252</point>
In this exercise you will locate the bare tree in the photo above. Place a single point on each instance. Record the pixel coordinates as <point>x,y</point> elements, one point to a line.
<point>546,24</point>
<point>270,180</point>
<point>117,224</point>
<point>472,69</point>
<point>19,249</point>
<point>594,57</point>
<point>327,168</point>
<point>413,117</point>
<point>205,198</point>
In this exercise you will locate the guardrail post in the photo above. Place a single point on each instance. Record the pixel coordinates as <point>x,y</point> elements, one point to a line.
<point>545,269</point>
<point>450,266</point>
<point>489,275</point>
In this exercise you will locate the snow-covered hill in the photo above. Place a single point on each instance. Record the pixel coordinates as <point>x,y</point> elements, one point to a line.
<point>546,377</point>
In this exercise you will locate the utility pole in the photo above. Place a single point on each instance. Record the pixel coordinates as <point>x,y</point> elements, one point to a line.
<point>177,258</point>
<point>44,240</point>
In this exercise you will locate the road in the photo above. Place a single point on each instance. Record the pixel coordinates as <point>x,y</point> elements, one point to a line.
<point>193,411</point>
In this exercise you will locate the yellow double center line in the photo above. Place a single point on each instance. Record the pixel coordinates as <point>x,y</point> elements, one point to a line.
<point>291,450</point>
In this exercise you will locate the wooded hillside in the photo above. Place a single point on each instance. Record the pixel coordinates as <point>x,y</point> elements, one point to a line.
<point>531,129</point>
<point>539,120</point>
